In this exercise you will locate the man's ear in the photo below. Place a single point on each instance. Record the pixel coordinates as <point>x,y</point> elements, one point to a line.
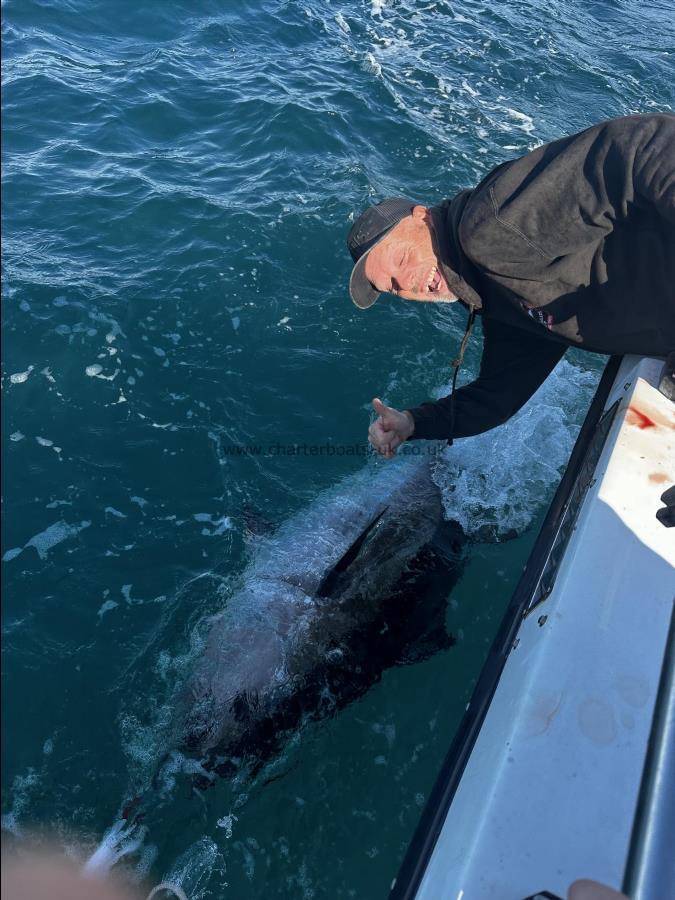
<point>420,212</point>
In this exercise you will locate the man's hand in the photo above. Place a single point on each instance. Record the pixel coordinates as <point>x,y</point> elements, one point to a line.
<point>390,429</point>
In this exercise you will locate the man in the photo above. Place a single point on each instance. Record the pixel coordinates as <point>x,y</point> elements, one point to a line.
<point>570,245</point>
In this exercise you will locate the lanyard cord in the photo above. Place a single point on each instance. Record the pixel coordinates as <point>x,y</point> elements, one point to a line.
<point>456,363</point>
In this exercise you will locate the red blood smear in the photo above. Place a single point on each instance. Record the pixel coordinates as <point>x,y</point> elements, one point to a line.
<point>130,807</point>
<point>640,419</point>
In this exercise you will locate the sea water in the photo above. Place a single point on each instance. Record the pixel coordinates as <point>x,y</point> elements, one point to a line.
<point>178,182</point>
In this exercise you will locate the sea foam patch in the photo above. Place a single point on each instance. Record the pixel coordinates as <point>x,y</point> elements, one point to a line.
<point>48,539</point>
<point>495,483</point>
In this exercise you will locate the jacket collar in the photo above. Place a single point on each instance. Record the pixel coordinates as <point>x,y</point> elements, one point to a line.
<point>457,269</point>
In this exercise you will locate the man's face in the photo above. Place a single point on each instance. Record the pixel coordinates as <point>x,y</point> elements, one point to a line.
<point>405,263</point>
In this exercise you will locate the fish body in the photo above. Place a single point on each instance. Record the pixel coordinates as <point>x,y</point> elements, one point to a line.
<point>337,595</point>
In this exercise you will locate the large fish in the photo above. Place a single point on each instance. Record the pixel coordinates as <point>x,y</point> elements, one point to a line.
<point>355,583</point>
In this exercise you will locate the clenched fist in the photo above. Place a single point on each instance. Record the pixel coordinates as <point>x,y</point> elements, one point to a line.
<point>390,429</point>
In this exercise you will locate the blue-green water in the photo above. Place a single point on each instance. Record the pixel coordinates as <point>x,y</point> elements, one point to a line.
<point>178,182</point>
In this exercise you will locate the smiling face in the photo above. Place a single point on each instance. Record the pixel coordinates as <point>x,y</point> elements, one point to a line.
<point>405,262</point>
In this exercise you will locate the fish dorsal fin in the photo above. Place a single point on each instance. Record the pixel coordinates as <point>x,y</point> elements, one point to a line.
<point>331,577</point>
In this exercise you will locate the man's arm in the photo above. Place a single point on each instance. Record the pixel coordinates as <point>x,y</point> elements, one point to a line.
<point>514,364</point>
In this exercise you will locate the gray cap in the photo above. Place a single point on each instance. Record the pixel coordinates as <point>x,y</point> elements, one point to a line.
<point>368,230</point>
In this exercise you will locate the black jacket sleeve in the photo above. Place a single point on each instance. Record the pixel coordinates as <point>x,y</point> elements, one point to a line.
<point>514,364</point>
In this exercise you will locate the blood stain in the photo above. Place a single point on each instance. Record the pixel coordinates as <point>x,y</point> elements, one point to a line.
<point>658,477</point>
<point>635,417</point>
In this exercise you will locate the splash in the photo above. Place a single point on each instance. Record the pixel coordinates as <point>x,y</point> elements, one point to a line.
<point>120,840</point>
<point>192,871</point>
<point>167,887</point>
<point>22,788</point>
<point>495,483</point>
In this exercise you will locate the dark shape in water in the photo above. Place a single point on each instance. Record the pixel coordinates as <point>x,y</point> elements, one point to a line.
<point>356,583</point>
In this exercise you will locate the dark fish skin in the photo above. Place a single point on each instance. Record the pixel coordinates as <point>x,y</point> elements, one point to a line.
<point>305,637</point>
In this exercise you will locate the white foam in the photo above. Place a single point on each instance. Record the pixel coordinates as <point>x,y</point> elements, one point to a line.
<point>22,787</point>
<point>469,90</point>
<point>501,479</point>
<point>12,554</point>
<point>106,607</point>
<point>114,512</point>
<point>167,887</point>
<point>527,121</point>
<point>220,526</point>
<point>120,840</point>
<point>227,823</point>
<point>371,65</point>
<point>148,856</point>
<point>47,539</point>
<point>21,377</point>
<point>96,371</point>
<point>342,22</point>
<point>193,869</point>
<point>176,763</point>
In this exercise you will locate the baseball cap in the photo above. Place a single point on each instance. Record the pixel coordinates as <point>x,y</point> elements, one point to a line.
<point>369,229</point>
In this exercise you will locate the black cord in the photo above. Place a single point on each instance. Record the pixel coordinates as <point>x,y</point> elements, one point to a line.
<point>456,365</point>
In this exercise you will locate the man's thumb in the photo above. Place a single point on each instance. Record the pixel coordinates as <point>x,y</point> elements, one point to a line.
<point>379,407</point>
